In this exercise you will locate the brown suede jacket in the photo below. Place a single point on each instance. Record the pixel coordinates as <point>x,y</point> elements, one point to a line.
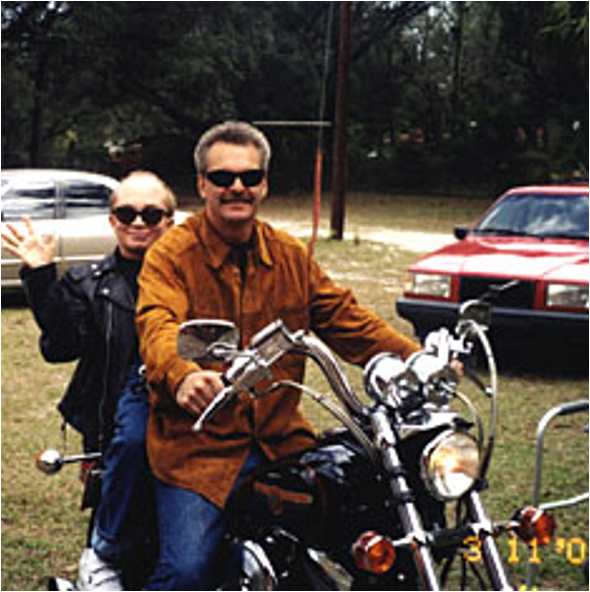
<point>191,273</point>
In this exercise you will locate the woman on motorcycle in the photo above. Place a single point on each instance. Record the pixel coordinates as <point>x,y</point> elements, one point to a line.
<point>89,315</point>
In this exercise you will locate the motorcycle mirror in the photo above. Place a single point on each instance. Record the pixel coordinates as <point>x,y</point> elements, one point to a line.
<point>477,311</point>
<point>206,340</point>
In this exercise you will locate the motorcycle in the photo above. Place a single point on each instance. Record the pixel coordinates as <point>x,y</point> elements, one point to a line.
<point>368,506</point>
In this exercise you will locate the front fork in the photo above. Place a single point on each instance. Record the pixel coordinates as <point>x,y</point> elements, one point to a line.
<point>412,522</point>
<point>489,549</point>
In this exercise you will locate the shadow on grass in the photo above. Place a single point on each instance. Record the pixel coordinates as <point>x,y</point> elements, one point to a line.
<point>556,362</point>
<point>14,300</point>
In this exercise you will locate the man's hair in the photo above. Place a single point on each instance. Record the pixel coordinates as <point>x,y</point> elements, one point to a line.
<point>149,180</point>
<point>232,132</point>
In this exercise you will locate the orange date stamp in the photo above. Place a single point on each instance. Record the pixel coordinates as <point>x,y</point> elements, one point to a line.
<point>575,550</point>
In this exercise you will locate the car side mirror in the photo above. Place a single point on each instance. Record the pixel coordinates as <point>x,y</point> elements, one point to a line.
<point>206,340</point>
<point>461,232</point>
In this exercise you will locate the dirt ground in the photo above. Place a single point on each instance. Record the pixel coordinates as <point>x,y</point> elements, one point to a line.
<point>409,240</point>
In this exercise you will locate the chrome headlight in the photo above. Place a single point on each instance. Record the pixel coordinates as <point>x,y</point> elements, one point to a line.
<point>567,295</point>
<point>450,465</point>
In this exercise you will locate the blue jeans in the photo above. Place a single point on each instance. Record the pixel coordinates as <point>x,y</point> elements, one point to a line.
<point>190,530</point>
<point>126,477</point>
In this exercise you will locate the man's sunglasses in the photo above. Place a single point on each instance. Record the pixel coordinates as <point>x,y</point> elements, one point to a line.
<point>150,216</point>
<point>228,178</point>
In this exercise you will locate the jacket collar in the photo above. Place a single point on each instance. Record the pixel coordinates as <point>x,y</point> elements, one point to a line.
<point>217,250</point>
<point>105,265</point>
<point>112,286</point>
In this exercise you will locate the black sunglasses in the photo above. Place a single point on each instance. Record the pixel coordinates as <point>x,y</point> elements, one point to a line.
<point>227,178</point>
<point>150,216</point>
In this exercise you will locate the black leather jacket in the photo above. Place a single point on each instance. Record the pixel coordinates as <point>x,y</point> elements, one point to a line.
<point>89,315</point>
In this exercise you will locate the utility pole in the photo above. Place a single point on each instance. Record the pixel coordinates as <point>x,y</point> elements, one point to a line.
<point>339,171</point>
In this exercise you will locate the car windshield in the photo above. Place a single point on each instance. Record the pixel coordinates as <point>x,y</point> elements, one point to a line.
<point>539,215</point>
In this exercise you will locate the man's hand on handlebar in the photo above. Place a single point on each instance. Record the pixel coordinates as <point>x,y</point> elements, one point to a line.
<point>458,368</point>
<point>197,390</point>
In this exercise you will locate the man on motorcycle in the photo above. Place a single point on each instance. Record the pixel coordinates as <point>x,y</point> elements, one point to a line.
<point>89,315</point>
<point>224,263</point>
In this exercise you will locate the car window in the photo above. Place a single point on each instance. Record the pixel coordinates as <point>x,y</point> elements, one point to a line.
<point>82,198</point>
<point>551,215</point>
<point>34,199</point>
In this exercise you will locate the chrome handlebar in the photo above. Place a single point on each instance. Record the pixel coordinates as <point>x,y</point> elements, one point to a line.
<point>250,366</point>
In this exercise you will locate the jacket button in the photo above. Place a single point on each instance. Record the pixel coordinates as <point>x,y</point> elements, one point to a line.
<point>106,291</point>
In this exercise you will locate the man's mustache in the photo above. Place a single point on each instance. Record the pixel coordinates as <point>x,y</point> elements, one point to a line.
<point>237,198</point>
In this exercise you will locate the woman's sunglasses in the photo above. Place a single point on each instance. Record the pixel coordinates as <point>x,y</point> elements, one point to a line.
<point>222,178</point>
<point>150,216</point>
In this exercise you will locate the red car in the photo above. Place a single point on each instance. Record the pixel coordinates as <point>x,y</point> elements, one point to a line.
<point>531,248</point>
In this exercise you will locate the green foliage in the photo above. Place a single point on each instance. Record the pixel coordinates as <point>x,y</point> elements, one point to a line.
<point>441,93</point>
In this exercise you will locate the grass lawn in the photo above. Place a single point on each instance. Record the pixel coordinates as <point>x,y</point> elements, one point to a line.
<point>43,530</point>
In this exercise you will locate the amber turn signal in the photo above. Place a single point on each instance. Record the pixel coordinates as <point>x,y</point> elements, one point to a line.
<point>373,552</point>
<point>534,524</point>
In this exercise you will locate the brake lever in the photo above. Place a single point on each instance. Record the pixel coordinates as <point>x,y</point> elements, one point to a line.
<point>221,399</point>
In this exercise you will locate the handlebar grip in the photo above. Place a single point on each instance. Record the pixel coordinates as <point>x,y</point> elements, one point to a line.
<point>575,407</point>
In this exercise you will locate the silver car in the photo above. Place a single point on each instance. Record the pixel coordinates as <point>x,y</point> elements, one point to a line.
<point>71,205</point>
